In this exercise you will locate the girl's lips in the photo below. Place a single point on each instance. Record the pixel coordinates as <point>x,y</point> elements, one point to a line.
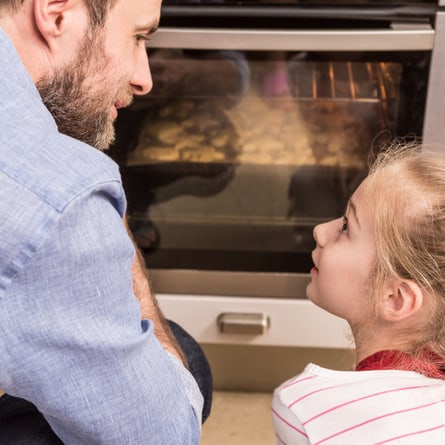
<point>314,268</point>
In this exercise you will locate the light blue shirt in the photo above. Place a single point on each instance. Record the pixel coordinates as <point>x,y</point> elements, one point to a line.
<point>71,337</point>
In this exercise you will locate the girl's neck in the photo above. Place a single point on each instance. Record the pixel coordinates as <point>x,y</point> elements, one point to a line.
<point>368,341</point>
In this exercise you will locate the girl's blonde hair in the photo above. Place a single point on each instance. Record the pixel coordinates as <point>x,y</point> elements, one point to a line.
<point>406,188</point>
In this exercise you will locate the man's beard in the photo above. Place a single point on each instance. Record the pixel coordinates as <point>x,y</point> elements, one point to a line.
<point>76,95</point>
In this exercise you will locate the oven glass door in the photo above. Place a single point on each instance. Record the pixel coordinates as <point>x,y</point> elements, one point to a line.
<point>235,155</point>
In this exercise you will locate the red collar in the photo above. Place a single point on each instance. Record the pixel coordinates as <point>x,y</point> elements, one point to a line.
<point>429,363</point>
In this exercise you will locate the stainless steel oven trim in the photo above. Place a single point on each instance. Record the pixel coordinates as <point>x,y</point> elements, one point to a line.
<point>230,283</point>
<point>415,39</point>
<point>434,123</point>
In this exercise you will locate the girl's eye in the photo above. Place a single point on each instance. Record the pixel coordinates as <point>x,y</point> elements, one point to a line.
<point>344,226</point>
<point>142,38</point>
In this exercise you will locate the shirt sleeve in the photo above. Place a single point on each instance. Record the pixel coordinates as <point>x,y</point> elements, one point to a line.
<point>288,427</point>
<point>76,345</point>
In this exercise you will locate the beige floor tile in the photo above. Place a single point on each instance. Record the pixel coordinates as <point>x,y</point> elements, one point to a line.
<point>239,418</point>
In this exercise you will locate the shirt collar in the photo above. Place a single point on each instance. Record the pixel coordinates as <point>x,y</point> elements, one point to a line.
<point>427,363</point>
<point>16,82</point>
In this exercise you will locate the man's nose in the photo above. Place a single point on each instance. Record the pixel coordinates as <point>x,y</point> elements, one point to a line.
<point>142,82</point>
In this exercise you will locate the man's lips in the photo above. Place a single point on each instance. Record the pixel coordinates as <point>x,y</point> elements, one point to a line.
<point>118,105</point>
<point>121,104</point>
<point>114,111</point>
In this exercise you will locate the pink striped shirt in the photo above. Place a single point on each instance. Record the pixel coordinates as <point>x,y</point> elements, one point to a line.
<point>327,407</point>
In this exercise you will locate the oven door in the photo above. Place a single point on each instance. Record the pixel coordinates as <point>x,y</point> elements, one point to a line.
<point>250,137</point>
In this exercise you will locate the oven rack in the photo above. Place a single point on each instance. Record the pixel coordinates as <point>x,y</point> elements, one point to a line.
<point>345,81</point>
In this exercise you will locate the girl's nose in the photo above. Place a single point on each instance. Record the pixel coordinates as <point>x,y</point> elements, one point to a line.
<point>323,231</point>
<point>318,233</point>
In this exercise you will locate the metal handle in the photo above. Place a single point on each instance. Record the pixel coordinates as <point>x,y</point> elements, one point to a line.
<point>243,323</point>
<point>416,38</point>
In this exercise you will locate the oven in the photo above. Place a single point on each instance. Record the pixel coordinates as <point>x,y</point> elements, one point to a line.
<point>261,123</point>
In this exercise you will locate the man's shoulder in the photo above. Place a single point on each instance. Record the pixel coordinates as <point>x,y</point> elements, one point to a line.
<point>54,167</point>
<point>33,154</point>
<point>39,183</point>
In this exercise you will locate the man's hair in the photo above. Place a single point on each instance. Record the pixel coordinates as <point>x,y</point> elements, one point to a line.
<point>98,9</point>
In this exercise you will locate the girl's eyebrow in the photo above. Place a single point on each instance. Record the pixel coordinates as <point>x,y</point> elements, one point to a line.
<point>353,208</point>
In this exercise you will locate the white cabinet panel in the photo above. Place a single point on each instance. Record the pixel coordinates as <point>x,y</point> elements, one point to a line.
<point>293,322</point>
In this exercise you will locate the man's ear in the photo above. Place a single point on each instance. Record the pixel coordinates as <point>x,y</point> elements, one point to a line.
<point>400,299</point>
<point>49,17</point>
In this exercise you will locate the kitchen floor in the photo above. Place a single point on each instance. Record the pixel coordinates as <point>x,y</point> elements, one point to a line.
<point>244,379</point>
<point>239,418</point>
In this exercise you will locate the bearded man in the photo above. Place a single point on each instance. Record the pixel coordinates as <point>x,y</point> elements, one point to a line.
<point>87,356</point>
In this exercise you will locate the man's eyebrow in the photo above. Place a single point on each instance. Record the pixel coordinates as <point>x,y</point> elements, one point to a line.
<point>146,29</point>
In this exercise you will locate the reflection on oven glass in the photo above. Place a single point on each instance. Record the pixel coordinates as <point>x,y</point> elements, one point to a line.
<point>235,156</point>
<point>190,130</point>
<point>291,112</point>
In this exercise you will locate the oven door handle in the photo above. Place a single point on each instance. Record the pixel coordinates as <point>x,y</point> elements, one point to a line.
<point>410,37</point>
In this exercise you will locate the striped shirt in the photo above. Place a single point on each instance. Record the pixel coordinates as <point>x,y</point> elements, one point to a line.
<point>327,407</point>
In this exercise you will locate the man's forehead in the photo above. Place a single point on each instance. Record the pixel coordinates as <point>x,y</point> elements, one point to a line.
<point>144,14</point>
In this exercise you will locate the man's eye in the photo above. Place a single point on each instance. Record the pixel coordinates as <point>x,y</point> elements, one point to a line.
<point>344,226</point>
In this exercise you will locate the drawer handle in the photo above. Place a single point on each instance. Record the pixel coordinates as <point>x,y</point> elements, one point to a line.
<point>243,323</point>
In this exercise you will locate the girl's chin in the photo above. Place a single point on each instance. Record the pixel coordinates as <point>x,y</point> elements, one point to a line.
<point>310,290</point>
<point>312,293</point>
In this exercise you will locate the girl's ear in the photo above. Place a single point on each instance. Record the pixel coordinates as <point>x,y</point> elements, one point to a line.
<point>400,300</point>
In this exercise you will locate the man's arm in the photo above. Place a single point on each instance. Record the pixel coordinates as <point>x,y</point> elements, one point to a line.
<point>74,342</point>
<point>149,305</point>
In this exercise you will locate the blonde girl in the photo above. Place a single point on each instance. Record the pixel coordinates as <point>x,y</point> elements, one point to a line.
<point>381,267</point>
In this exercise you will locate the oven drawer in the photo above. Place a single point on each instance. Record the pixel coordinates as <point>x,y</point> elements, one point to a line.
<point>285,322</point>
